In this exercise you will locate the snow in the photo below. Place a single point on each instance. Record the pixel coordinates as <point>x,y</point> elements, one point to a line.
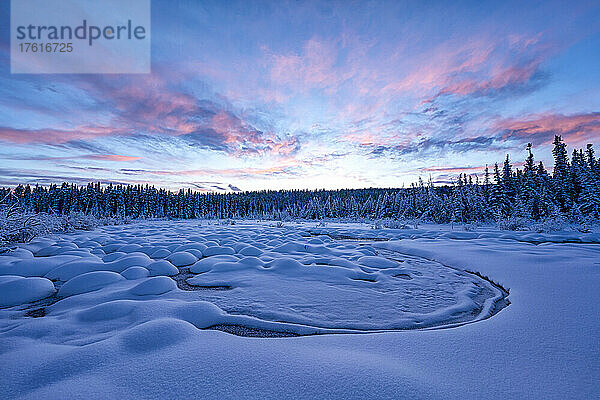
<point>154,286</point>
<point>208,263</point>
<point>156,335</point>
<point>135,273</point>
<point>88,282</point>
<point>218,250</point>
<point>182,258</point>
<point>162,267</point>
<point>121,328</point>
<point>250,251</point>
<point>38,266</point>
<point>71,269</point>
<point>18,290</point>
<point>160,253</point>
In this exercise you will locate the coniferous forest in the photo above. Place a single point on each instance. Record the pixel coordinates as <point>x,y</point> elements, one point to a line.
<point>571,191</point>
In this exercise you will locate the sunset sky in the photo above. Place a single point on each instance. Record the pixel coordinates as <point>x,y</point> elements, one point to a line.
<point>276,95</point>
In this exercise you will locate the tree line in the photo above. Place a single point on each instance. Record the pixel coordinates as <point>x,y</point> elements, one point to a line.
<point>503,191</point>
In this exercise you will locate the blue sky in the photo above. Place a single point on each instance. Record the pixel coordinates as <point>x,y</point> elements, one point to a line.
<point>275,95</point>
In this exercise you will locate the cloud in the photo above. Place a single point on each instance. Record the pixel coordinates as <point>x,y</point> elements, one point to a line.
<point>30,176</point>
<point>454,170</point>
<point>287,168</point>
<point>214,186</point>
<point>103,157</point>
<point>110,157</point>
<point>438,99</point>
<point>273,103</point>
<point>313,68</point>
<point>87,146</point>
<point>486,66</point>
<point>158,106</point>
<point>208,188</point>
<point>53,136</point>
<point>428,145</point>
<point>540,128</point>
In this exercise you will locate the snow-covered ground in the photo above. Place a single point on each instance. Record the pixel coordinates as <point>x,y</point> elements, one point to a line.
<point>192,309</point>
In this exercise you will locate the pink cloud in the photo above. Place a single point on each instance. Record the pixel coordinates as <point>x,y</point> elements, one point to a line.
<point>541,128</point>
<point>314,67</point>
<point>154,105</point>
<point>479,66</point>
<point>102,157</point>
<point>52,136</point>
<point>111,157</point>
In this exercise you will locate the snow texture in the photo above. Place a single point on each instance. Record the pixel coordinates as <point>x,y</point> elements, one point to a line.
<point>135,312</point>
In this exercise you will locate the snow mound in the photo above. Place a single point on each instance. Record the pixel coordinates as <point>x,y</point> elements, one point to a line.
<point>89,282</point>
<point>112,343</point>
<point>251,251</point>
<point>252,276</point>
<point>218,250</point>
<point>201,314</point>
<point>113,256</point>
<point>156,335</point>
<point>162,267</point>
<point>21,290</point>
<point>191,246</point>
<point>38,266</point>
<point>129,248</point>
<point>182,259</point>
<point>133,273</point>
<point>207,263</point>
<point>154,286</point>
<point>107,311</point>
<point>160,253</point>
<point>252,261</point>
<point>50,251</point>
<point>84,265</point>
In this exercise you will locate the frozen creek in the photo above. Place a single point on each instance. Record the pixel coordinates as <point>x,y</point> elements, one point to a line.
<point>249,279</point>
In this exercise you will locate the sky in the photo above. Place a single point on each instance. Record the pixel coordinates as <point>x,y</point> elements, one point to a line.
<point>254,95</point>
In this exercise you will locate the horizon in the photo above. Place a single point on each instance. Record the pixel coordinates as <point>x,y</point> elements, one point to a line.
<point>477,176</point>
<point>304,95</point>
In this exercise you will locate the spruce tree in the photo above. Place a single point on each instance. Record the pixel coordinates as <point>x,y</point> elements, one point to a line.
<point>562,184</point>
<point>527,190</point>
